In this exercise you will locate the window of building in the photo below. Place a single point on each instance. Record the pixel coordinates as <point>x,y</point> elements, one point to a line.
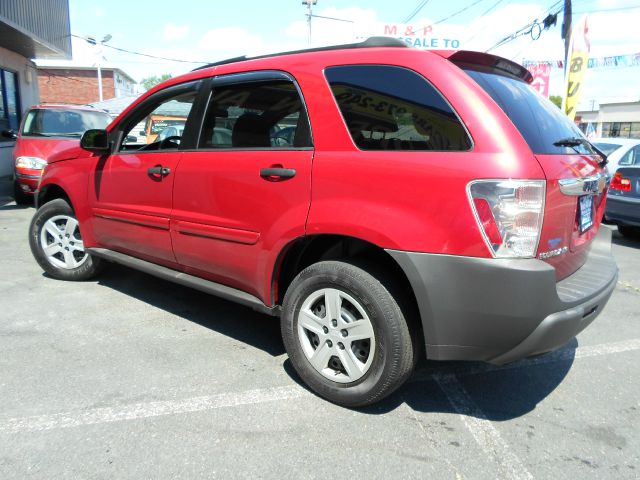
<point>266,114</point>
<point>393,108</point>
<point>9,101</point>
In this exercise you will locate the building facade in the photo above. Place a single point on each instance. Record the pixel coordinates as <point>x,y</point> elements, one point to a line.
<point>79,85</point>
<point>620,119</point>
<point>28,29</point>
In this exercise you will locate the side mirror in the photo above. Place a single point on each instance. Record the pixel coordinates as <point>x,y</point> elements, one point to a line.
<point>9,134</point>
<point>95,140</point>
<point>131,139</point>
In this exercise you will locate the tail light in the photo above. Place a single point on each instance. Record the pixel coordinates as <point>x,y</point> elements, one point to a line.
<point>509,214</point>
<point>620,183</point>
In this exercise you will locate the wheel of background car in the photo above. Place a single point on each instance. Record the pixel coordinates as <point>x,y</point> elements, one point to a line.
<point>345,334</point>
<point>170,142</point>
<point>56,243</point>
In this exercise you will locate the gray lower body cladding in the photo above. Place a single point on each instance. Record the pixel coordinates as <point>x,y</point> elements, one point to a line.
<point>501,310</point>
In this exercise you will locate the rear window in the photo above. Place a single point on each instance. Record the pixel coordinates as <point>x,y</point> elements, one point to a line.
<point>607,148</point>
<point>539,121</point>
<point>393,108</point>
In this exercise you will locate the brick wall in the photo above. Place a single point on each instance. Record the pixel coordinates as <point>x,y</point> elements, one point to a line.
<point>74,86</point>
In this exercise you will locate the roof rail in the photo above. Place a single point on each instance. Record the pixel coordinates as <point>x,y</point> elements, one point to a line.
<point>370,42</point>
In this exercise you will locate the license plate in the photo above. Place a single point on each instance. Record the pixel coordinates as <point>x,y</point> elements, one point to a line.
<point>586,213</point>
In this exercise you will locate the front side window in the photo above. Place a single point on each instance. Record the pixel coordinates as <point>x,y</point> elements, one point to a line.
<point>60,122</point>
<point>262,114</point>
<point>393,108</point>
<point>159,125</point>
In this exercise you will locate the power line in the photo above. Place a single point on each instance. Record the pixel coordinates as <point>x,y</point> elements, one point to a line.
<point>416,11</point>
<point>475,34</point>
<point>529,28</point>
<point>146,54</point>
<point>464,9</point>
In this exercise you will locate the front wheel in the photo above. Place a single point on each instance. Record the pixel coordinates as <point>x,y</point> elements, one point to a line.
<point>629,232</point>
<point>345,334</point>
<point>56,243</point>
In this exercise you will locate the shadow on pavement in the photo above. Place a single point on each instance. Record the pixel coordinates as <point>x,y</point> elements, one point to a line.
<point>236,321</point>
<point>498,393</point>
<point>619,239</point>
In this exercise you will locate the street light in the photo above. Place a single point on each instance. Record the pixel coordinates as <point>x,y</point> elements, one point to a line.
<point>309,4</point>
<point>93,41</point>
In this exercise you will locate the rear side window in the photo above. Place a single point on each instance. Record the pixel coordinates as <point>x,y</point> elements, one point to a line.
<point>264,115</point>
<point>539,121</point>
<point>393,108</point>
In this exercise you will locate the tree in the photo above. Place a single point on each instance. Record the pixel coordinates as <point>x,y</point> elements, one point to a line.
<point>151,82</point>
<point>557,99</point>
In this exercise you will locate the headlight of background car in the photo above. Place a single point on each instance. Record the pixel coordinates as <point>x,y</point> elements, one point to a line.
<point>32,163</point>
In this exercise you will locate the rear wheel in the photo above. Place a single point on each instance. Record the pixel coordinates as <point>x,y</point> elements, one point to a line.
<point>56,243</point>
<point>345,334</point>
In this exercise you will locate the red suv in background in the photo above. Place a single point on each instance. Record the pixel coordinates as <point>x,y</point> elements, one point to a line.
<point>381,200</point>
<point>45,130</point>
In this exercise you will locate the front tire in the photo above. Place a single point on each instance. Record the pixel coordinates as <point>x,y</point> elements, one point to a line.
<point>629,232</point>
<point>345,334</point>
<point>56,243</point>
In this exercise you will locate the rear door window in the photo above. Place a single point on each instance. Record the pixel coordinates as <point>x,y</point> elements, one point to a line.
<point>539,121</point>
<point>392,108</point>
<point>260,114</point>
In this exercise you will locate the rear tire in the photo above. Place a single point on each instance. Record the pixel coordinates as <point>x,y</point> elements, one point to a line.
<point>345,334</point>
<point>56,243</point>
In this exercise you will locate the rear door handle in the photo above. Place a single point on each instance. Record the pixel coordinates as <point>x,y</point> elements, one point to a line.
<point>159,171</point>
<point>275,174</point>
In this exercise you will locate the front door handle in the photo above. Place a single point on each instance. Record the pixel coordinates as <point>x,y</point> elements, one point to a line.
<point>159,171</point>
<point>275,174</point>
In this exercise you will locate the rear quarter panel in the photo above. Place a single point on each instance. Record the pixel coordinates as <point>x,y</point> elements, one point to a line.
<point>413,201</point>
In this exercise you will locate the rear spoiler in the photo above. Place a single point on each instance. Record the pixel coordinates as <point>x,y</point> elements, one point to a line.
<point>466,58</point>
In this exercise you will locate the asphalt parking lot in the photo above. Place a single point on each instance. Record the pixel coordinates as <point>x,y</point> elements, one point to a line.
<point>132,377</point>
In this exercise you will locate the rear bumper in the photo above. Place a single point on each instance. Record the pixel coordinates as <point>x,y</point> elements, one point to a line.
<point>623,210</point>
<point>501,310</point>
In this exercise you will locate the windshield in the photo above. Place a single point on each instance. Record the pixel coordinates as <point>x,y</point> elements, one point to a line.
<point>607,148</point>
<point>59,122</point>
<point>540,122</point>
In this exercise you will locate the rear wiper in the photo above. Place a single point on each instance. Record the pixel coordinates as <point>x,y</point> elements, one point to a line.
<point>576,141</point>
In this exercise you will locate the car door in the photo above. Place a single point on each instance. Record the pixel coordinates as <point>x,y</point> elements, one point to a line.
<point>132,188</point>
<point>244,193</point>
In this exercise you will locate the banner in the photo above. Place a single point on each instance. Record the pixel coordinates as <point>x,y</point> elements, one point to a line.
<point>578,60</point>
<point>631,60</point>
<point>541,73</point>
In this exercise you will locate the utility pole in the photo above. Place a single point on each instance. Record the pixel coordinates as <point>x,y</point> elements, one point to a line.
<point>93,42</point>
<point>309,4</point>
<point>566,31</point>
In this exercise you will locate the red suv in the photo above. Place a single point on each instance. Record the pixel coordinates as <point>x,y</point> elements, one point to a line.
<point>377,198</point>
<point>45,130</point>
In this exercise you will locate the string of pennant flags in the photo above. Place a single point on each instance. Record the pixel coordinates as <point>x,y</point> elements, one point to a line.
<point>632,60</point>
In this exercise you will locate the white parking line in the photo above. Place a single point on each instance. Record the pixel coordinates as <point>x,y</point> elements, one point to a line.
<point>483,432</point>
<point>250,397</point>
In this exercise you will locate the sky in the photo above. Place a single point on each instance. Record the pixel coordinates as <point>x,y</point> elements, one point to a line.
<point>209,30</point>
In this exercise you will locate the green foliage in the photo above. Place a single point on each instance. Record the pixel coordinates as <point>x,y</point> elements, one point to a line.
<point>557,99</point>
<point>151,82</point>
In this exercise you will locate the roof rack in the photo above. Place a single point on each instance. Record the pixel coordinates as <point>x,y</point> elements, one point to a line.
<point>371,42</point>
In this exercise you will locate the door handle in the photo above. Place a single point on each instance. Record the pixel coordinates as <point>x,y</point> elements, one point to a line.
<point>275,174</point>
<point>159,171</point>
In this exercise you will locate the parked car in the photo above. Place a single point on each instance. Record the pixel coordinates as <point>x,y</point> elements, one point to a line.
<point>45,130</point>
<point>418,208</point>
<point>619,151</point>
<point>623,200</point>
